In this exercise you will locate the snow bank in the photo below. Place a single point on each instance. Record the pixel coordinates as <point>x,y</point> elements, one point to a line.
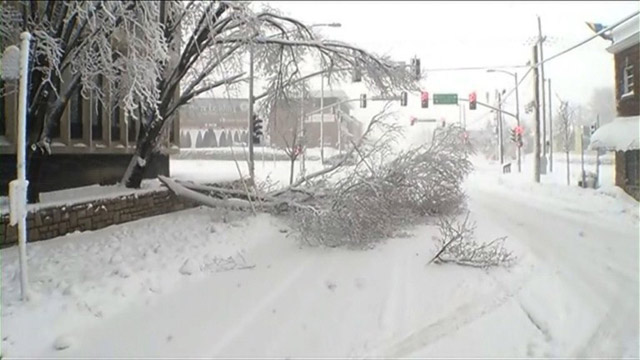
<point>80,280</point>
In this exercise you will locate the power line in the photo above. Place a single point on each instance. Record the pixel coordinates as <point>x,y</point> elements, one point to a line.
<point>477,68</point>
<point>591,38</point>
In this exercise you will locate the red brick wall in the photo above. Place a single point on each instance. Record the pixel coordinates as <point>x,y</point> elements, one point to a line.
<point>629,106</point>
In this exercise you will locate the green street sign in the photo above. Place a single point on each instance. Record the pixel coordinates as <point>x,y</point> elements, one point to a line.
<point>445,99</point>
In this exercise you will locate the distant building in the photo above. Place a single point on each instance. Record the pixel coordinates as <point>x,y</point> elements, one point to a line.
<point>622,134</point>
<point>224,121</point>
<point>285,125</point>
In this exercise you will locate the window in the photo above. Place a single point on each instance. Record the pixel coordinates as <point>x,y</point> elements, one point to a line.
<point>131,126</point>
<point>632,167</point>
<point>627,78</point>
<point>76,115</point>
<point>3,121</point>
<point>97,111</point>
<point>115,123</point>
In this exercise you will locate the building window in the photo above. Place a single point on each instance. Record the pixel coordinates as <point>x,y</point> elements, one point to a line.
<point>97,113</point>
<point>131,127</point>
<point>76,115</point>
<point>627,78</point>
<point>632,167</point>
<point>3,121</point>
<point>115,123</point>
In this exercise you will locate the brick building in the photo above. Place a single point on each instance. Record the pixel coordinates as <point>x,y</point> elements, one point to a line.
<point>284,121</point>
<point>622,134</point>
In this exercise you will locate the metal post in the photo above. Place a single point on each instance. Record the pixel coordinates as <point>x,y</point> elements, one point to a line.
<point>339,119</point>
<point>303,136</point>
<point>322,119</point>
<point>500,140</point>
<point>536,112</point>
<point>584,185</point>
<point>550,129</point>
<point>251,164</point>
<point>544,120</point>
<point>597,155</point>
<point>21,163</point>
<point>519,150</point>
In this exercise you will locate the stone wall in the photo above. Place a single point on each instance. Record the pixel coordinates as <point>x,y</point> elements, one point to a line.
<point>50,222</point>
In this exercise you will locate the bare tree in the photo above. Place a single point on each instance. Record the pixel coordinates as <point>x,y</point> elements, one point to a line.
<point>293,144</point>
<point>564,130</point>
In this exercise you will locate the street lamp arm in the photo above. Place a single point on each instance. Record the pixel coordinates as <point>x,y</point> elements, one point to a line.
<point>492,108</point>
<point>375,98</point>
<point>301,79</point>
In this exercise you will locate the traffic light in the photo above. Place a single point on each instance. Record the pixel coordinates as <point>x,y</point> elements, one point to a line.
<point>424,99</point>
<point>413,120</point>
<point>513,135</point>
<point>593,128</point>
<point>257,129</point>
<point>363,101</point>
<point>472,101</point>
<point>415,68</point>
<point>404,98</point>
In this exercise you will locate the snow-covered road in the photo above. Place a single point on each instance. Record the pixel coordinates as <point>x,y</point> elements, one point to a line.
<point>153,288</point>
<point>594,262</point>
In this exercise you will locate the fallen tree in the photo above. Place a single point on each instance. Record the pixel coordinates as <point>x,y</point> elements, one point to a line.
<point>362,204</point>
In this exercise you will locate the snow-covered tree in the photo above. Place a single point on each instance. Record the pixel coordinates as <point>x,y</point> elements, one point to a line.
<point>215,38</point>
<point>564,130</point>
<point>75,43</point>
<point>153,57</point>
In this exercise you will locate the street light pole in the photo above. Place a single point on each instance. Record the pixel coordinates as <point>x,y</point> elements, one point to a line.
<point>515,78</point>
<point>322,118</point>
<point>251,124</point>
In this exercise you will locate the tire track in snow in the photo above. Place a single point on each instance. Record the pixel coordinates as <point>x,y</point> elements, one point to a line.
<point>308,301</point>
<point>260,307</point>
<point>449,324</point>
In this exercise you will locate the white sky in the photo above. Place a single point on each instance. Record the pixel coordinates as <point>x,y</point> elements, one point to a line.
<point>466,34</point>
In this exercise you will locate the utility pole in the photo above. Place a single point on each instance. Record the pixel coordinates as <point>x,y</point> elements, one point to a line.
<point>302,141</point>
<point>536,112</point>
<point>322,118</point>
<point>251,164</point>
<point>550,129</point>
<point>597,155</point>
<point>499,115</point>
<point>544,120</point>
<point>519,150</point>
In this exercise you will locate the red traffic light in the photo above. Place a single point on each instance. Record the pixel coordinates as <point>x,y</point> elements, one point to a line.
<point>519,130</point>
<point>424,99</point>
<point>472,101</point>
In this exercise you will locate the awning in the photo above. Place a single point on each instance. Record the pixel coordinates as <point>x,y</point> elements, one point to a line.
<point>621,134</point>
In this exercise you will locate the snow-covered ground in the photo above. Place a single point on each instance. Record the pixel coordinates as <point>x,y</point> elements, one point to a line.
<point>209,283</point>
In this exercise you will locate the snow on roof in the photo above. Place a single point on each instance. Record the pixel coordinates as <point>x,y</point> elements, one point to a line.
<point>625,35</point>
<point>621,134</point>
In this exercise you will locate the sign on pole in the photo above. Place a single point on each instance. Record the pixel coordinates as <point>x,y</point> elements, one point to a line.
<point>445,99</point>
